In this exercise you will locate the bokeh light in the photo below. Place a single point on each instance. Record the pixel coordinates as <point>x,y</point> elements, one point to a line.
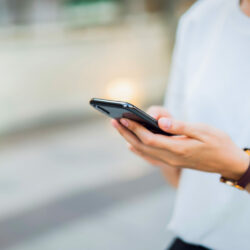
<point>124,90</point>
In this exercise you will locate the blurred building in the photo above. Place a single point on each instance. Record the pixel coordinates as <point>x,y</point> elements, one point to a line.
<point>67,181</point>
<point>57,54</point>
<point>20,12</point>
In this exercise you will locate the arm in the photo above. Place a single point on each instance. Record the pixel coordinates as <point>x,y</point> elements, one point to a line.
<point>200,147</point>
<point>172,175</point>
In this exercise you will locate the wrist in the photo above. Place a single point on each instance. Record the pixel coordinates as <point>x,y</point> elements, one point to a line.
<point>242,182</point>
<point>239,167</point>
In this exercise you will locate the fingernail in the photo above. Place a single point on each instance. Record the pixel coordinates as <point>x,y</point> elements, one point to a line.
<point>124,122</point>
<point>166,123</point>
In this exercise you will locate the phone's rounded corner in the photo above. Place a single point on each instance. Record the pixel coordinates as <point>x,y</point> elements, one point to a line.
<point>91,101</point>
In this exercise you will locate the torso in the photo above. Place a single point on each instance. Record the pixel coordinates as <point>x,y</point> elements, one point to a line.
<point>208,212</point>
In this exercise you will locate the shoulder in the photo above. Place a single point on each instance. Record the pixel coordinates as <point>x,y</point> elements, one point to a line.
<point>201,13</point>
<point>204,9</point>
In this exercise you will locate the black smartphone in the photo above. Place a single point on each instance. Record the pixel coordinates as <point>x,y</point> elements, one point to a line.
<point>118,110</point>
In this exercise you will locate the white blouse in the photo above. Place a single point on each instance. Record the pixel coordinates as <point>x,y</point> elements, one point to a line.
<point>210,83</point>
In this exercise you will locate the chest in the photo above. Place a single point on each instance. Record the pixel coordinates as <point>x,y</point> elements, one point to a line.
<point>218,84</point>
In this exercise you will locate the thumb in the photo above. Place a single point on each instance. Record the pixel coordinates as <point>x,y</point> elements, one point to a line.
<point>157,112</point>
<point>178,128</point>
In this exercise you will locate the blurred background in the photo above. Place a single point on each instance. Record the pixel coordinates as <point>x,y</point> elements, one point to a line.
<point>67,180</point>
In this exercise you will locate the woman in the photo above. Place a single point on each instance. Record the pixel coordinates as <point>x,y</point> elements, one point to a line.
<point>208,104</point>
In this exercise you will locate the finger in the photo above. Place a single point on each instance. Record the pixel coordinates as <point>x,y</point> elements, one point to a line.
<point>157,112</point>
<point>145,136</point>
<point>153,161</point>
<point>161,147</point>
<point>135,141</point>
<point>170,143</point>
<point>166,154</point>
<point>126,134</point>
<point>164,149</point>
<point>181,128</point>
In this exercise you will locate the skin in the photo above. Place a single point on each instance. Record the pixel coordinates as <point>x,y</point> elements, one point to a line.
<point>171,174</point>
<point>245,7</point>
<point>200,147</point>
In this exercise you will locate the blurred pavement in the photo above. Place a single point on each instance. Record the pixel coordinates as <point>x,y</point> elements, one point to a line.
<point>55,194</point>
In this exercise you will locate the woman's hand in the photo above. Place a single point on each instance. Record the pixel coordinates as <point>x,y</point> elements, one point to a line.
<point>156,112</point>
<point>198,147</point>
<point>170,173</point>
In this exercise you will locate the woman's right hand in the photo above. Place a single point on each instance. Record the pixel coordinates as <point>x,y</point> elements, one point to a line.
<point>170,173</point>
<point>156,112</point>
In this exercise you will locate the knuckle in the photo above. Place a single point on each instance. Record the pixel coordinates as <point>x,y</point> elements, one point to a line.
<point>131,126</point>
<point>134,127</point>
<point>138,146</point>
<point>178,151</point>
<point>173,163</point>
<point>182,151</point>
<point>148,140</point>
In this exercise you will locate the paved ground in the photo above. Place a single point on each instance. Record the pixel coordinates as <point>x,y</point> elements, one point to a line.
<point>77,187</point>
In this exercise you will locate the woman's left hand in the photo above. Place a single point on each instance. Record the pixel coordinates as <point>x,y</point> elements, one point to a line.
<point>198,147</point>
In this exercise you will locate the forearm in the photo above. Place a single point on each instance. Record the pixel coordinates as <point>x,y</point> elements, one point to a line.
<point>172,175</point>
